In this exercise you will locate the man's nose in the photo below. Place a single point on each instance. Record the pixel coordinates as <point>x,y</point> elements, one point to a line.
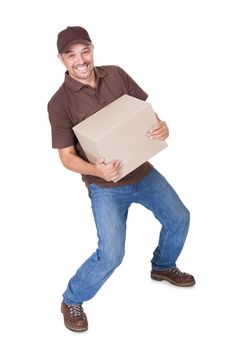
<point>79,58</point>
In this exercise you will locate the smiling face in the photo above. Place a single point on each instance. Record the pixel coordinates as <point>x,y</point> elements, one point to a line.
<point>79,62</point>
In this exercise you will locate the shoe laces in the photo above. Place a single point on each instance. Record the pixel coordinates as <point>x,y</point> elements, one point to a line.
<point>177,271</point>
<point>75,310</point>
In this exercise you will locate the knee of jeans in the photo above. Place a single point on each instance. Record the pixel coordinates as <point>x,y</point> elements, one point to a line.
<point>184,216</point>
<point>113,258</point>
<point>180,217</point>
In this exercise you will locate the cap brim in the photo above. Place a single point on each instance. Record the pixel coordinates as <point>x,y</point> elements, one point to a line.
<point>76,41</point>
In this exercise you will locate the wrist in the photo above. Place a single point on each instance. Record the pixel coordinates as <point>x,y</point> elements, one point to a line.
<point>93,171</point>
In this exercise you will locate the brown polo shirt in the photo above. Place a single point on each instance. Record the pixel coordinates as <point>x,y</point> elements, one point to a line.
<point>74,102</point>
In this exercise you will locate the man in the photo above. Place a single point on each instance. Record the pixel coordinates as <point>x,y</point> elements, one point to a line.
<point>86,90</point>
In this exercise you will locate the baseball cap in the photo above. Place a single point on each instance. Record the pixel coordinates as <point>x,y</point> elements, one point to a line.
<point>70,36</point>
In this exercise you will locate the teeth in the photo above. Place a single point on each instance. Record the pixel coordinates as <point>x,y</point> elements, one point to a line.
<point>81,68</point>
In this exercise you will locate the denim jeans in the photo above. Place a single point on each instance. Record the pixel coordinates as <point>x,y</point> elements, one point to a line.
<point>110,208</point>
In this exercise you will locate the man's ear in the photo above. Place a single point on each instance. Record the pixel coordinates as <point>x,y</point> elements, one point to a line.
<point>60,58</point>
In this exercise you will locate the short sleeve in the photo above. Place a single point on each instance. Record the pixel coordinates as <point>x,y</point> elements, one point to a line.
<point>61,125</point>
<point>133,89</point>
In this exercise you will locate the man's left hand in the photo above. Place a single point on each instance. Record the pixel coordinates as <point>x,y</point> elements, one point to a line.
<point>159,131</point>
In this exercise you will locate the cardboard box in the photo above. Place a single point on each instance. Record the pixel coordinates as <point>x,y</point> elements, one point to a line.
<point>119,131</point>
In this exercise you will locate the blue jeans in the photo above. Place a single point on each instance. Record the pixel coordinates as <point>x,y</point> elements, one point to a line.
<point>110,208</point>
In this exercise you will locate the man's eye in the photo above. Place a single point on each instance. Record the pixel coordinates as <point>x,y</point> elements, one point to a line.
<point>86,52</point>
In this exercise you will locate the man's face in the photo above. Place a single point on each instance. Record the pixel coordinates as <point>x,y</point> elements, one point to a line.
<point>79,62</point>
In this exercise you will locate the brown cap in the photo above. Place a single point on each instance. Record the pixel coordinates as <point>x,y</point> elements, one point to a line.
<point>70,36</point>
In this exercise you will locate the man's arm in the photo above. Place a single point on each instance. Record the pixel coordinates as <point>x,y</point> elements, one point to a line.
<point>71,161</point>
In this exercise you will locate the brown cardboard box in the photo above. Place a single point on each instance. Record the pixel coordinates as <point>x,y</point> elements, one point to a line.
<point>119,131</point>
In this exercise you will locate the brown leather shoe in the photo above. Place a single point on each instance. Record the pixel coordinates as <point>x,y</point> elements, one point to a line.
<point>74,317</point>
<point>174,276</point>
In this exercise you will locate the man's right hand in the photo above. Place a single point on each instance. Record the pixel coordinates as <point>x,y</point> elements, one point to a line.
<point>109,171</point>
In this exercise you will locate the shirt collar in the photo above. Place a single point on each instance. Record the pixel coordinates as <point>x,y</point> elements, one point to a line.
<point>75,85</point>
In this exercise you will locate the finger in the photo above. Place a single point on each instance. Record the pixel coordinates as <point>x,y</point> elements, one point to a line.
<point>155,135</point>
<point>160,133</point>
<point>155,128</point>
<point>162,129</point>
<point>152,130</point>
<point>109,166</point>
<point>100,160</point>
<point>117,164</point>
<point>115,176</point>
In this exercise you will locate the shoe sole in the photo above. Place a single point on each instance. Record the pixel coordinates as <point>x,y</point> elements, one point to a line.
<point>188,284</point>
<point>75,329</point>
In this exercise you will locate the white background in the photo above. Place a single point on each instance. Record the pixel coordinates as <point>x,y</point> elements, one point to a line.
<point>180,52</point>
